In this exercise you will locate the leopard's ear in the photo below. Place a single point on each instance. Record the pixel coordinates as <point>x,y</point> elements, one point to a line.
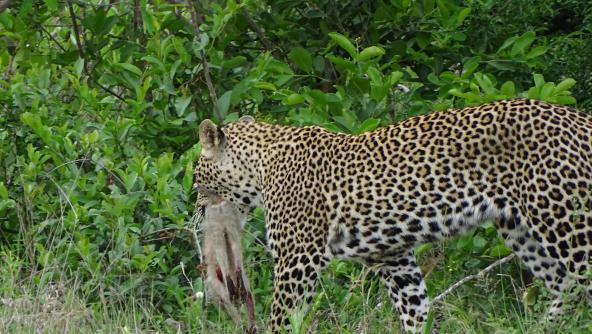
<point>246,119</point>
<point>211,138</point>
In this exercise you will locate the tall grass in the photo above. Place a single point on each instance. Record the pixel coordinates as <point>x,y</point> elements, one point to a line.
<point>350,299</point>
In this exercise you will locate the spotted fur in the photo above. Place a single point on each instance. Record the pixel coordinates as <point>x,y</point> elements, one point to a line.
<point>525,164</point>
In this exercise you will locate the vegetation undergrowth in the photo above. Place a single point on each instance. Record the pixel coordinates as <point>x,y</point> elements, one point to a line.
<point>99,108</point>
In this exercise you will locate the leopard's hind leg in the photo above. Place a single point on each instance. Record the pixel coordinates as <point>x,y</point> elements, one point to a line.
<point>538,259</point>
<point>403,279</point>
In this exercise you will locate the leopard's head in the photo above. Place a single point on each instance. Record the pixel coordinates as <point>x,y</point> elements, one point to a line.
<point>227,166</point>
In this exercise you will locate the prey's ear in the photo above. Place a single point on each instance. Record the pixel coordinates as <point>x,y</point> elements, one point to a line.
<point>212,139</point>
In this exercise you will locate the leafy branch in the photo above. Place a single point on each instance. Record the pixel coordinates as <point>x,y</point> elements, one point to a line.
<point>81,52</point>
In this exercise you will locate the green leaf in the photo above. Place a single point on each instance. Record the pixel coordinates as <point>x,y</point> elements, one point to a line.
<point>151,24</point>
<point>459,36</point>
<point>479,242</point>
<point>345,64</point>
<point>502,65</point>
<point>79,66</point>
<point>316,97</point>
<point>34,122</point>
<point>565,85</point>
<point>507,43</point>
<point>489,225</point>
<point>535,52</point>
<point>3,191</point>
<point>533,92</point>
<point>547,90</point>
<point>130,180</point>
<point>197,46</point>
<point>99,23</point>
<point>344,43</point>
<point>370,52</point>
<point>188,177</point>
<point>26,7</point>
<point>443,7</point>
<point>348,120</point>
<point>301,58</point>
<point>539,80</point>
<point>232,117</point>
<point>395,77</point>
<point>293,99</point>
<point>52,5</point>
<point>423,39</point>
<point>423,249</point>
<point>499,250</point>
<point>459,93</point>
<point>564,99</point>
<point>224,103</point>
<point>465,242</point>
<point>378,91</point>
<point>522,42</point>
<point>7,204</point>
<point>265,85</point>
<point>485,83</point>
<point>433,78</point>
<point>531,295</point>
<point>319,63</point>
<point>129,67</point>
<point>462,15</point>
<point>234,62</point>
<point>374,75</point>
<point>508,89</point>
<point>470,66</point>
<point>368,125</point>
<point>181,103</point>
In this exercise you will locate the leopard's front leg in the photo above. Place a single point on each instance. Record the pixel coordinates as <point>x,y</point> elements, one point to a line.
<point>295,279</point>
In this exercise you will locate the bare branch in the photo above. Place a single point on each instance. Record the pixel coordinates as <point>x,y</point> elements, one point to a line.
<point>137,16</point>
<point>259,32</point>
<point>474,276</point>
<point>77,34</point>
<point>4,5</point>
<point>196,20</point>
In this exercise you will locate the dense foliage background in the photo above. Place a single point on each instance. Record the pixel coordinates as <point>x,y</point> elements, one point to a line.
<point>99,107</point>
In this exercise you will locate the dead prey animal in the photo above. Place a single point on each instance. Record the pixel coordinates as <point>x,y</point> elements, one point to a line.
<point>226,281</point>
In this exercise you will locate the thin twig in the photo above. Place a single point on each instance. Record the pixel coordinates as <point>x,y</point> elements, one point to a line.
<point>52,38</point>
<point>211,89</point>
<point>76,33</point>
<point>85,160</point>
<point>187,278</point>
<point>474,276</point>
<point>81,53</point>
<point>63,194</point>
<point>108,90</point>
<point>259,32</point>
<point>173,234</point>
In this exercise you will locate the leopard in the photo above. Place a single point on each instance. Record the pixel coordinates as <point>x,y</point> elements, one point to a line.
<point>524,164</point>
